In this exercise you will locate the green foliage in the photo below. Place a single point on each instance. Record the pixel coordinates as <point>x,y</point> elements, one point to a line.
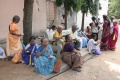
<point>114,8</point>
<point>90,6</point>
<point>79,3</point>
<point>59,2</point>
<point>76,5</point>
<point>70,5</point>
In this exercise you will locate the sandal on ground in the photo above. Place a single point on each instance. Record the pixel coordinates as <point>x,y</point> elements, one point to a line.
<point>112,49</point>
<point>18,62</point>
<point>77,69</point>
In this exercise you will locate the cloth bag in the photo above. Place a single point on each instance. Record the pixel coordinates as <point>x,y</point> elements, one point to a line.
<point>57,66</point>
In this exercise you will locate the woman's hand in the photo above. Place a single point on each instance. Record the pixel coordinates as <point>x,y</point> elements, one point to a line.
<point>63,35</point>
<point>18,35</point>
<point>27,51</point>
<point>37,55</point>
<point>21,34</point>
<point>51,57</point>
<point>45,50</point>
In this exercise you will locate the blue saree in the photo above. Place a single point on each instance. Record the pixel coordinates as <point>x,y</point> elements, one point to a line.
<point>84,39</point>
<point>26,56</point>
<point>43,64</point>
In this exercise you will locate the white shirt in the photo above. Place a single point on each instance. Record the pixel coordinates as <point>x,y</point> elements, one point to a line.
<point>94,29</point>
<point>29,46</point>
<point>73,35</point>
<point>91,45</point>
<point>50,34</point>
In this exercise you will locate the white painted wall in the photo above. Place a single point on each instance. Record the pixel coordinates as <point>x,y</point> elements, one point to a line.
<point>104,4</point>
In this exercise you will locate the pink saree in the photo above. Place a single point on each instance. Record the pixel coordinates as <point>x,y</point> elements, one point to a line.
<point>113,38</point>
<point>105,36</point>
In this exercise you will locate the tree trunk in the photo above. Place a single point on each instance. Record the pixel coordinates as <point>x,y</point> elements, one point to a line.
<point>83,17</point>
<point>27,20</point>
<point>66,18</point>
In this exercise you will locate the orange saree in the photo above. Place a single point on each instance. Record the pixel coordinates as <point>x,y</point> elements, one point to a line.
<point>14,46</point>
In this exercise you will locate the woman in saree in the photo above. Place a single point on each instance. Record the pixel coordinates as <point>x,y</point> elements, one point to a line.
<point>114,36</point>
<point>29,52</point>
<point>88,31</point>
<point>44,60</point>
<point>14,46</point>
<point>71,56</point>
<point>105,34</point>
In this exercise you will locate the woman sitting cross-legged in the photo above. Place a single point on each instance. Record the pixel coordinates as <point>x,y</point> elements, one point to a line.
<point>44,60</point>
<point>29,53</point>
<point>71,55</point>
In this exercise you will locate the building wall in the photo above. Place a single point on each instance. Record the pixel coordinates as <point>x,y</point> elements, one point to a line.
<point>51,11</point>
<point>44,11</point>
<point>9,8</point>
<point>71,19</point>
<point>39,17</point>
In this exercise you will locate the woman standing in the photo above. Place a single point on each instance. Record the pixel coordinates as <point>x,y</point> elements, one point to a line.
<point>44,60</point>
<point>105,33</point>
<point>94,27</point>
<point>113,37</point>
<point>14,46</point>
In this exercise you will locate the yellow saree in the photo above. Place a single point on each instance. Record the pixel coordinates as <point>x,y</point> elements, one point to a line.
<point>14,46</point>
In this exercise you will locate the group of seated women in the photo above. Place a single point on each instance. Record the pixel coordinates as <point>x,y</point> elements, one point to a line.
<point>43,58</point>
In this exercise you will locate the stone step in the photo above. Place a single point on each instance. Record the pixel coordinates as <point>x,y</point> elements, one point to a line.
<point>64,67</point>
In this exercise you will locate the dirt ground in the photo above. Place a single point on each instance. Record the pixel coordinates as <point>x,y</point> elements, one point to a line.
<point>103,67</point>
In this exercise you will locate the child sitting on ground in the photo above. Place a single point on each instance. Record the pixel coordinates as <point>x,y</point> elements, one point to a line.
<point>93,45</point>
